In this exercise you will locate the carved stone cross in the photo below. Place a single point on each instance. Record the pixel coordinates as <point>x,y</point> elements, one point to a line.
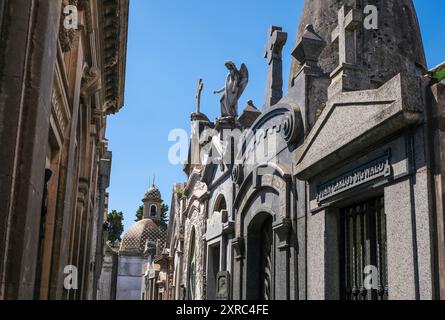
<point>273,54</point>
<point>198,96</point>
<point>348,21</point>
<point>349,75</point>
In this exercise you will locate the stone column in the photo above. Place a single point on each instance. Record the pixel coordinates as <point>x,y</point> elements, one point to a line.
<point>238,245</point>
<point>323,280</point>
<point>438,144</point>
<point>27,57</point>
<point>67,186</point>
<point>402,282</point>
<point>301,243</point>
<point>281,264</point>
<point>104,182</point>
<point>77,259</point>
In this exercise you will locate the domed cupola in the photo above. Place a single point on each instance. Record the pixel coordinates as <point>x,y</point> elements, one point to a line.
<point>150,231</point>
<point>143,233</point>
<point>153,194</point>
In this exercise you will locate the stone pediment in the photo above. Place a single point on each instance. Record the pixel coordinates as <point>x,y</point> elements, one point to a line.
<point>353,121</point>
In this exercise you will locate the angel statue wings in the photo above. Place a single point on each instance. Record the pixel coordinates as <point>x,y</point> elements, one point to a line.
<point>236,83</point>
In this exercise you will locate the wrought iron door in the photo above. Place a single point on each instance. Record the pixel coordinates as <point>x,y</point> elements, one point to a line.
<point>364,255</point>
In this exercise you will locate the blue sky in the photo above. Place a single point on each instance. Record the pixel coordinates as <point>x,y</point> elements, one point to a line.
<point>174,43</point>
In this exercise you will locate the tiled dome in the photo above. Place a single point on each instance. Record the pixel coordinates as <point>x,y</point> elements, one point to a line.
<point>153,194</point>
<point>136,237</point>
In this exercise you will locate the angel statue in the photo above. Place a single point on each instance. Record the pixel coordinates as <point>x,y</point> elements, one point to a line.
<point>236,83</point>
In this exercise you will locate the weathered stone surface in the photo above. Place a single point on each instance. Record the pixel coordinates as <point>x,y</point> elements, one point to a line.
<point>24,112</point>
<point>395,47</point>
<point>401,264</point>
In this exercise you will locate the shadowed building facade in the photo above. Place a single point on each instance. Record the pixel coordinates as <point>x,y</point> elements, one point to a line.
<point>58,85</point>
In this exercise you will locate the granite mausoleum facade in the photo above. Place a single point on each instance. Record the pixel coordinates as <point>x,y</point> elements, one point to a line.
<point>58,84</point>
<point>331,191</point>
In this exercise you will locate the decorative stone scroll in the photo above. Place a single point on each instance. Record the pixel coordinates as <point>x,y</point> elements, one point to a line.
<point>91,82</point>
<point>67,37</point>
<point>373,170</point>
<point>292,126</point>
<point>237,174</point>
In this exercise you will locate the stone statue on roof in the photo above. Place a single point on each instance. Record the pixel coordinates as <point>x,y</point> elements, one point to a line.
<point>236,83</point>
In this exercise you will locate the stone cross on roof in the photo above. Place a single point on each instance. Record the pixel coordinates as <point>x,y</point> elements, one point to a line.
<point>273,54</point>
<point>349,75</point>
<point>198,95</point>
<point>348,21</point>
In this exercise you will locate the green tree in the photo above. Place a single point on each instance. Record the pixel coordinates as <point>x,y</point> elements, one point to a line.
<point>164,213</point>
<point>115,225</point>
<point>139,214</point>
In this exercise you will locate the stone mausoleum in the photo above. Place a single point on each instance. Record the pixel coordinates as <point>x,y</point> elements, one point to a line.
<point>334,190</point>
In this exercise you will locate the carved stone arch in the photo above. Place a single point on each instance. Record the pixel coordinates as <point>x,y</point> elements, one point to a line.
<point>250,217</point>
<point>276,181</point>
<point>192,207</point>
<point>220,203</point>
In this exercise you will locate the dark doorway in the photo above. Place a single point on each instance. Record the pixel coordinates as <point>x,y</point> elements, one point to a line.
<point>259,285</point>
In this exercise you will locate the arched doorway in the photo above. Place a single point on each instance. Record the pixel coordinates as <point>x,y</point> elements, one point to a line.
<point>260,258</point>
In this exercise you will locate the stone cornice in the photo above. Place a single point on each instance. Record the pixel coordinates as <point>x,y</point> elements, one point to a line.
<point>113,36</point>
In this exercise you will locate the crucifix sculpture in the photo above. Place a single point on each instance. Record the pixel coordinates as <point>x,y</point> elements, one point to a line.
<point>273,54</point>
<point>198,96</point>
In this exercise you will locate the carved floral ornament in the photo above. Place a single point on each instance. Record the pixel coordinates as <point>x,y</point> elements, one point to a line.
<point>91,81</point>
<point>69,22</point>
<point>67,36</point>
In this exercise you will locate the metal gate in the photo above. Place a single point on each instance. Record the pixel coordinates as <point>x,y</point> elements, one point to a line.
<point>364,255</point>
